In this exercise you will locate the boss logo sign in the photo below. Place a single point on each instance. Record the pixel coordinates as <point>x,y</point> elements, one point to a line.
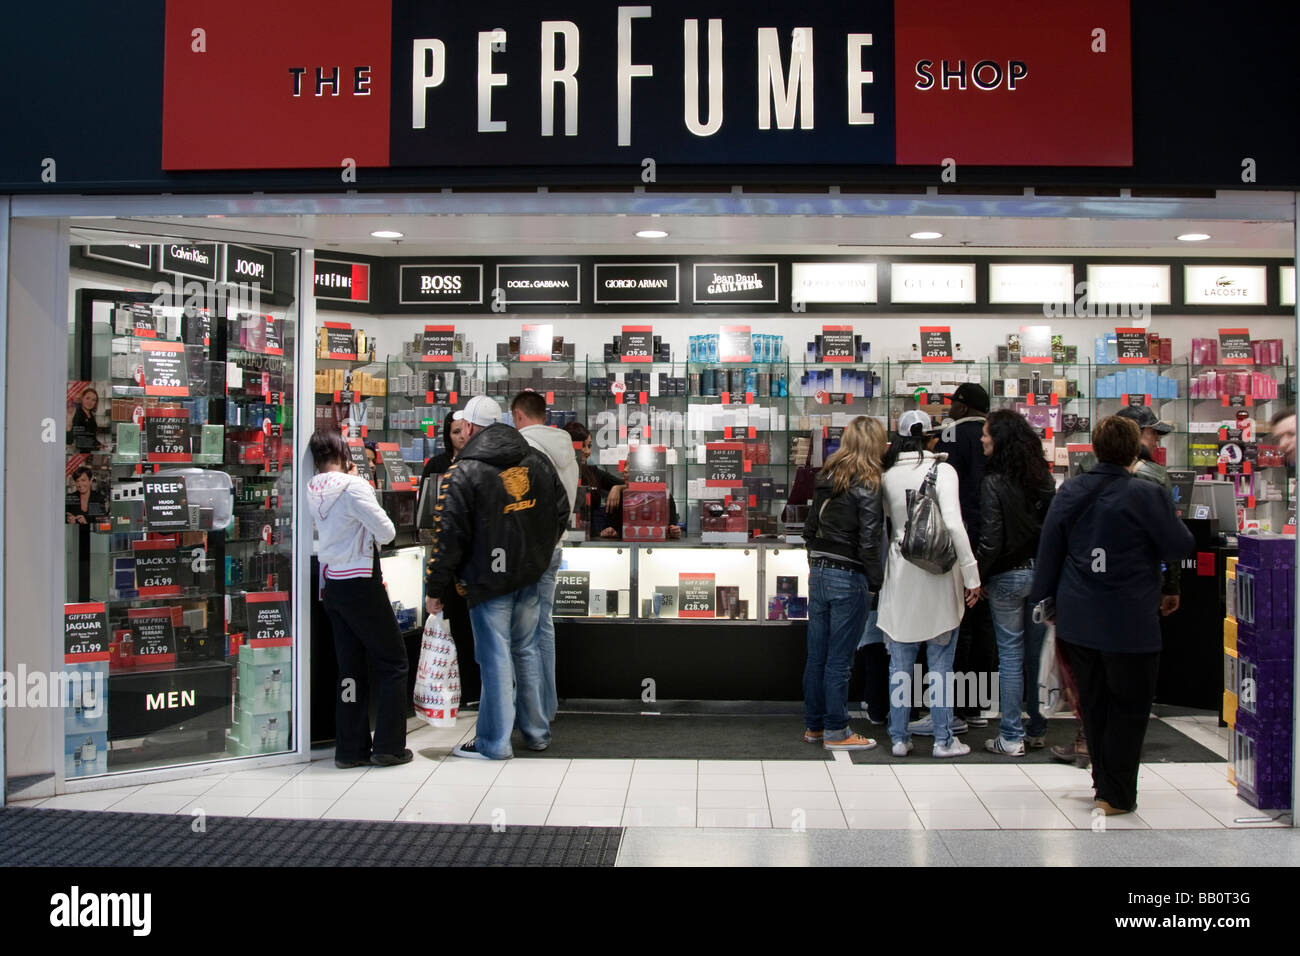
<point>449,283</point>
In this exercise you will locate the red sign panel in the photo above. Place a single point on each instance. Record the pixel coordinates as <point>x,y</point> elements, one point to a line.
<point>1013,83</point>
<point>309,84</point>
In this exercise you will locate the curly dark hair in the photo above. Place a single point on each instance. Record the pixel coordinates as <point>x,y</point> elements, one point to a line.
<point>1017,451</point>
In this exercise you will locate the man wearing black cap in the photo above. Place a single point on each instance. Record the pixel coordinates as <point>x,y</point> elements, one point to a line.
<point>1148,470</point>
<point>960,439</point>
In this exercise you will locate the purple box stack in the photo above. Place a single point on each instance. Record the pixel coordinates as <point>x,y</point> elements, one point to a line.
<point>1262,748</point>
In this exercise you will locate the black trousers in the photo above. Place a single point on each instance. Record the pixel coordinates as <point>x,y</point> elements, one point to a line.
<point>1115,694</point>
<point>365,628</point>
<point>976,647</point>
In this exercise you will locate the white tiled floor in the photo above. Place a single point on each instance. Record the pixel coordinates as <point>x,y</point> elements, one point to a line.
<point>910,794</point>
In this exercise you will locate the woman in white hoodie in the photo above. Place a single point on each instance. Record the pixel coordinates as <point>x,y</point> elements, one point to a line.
<point>917,607</point>
<point>349,526</point>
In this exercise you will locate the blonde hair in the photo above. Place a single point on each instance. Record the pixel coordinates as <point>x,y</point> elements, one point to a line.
<point>859,455</point>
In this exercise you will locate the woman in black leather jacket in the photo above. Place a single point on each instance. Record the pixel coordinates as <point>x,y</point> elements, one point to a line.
<point>1014,497</point>
<point>843,534</point>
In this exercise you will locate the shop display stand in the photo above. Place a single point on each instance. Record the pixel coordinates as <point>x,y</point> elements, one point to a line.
<point>232,411</point>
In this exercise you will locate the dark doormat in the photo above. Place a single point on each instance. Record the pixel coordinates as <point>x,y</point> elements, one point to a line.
<point>1162,744</point>
<point>756,737</point>
<point>34,837</point>
<point>680,737</point>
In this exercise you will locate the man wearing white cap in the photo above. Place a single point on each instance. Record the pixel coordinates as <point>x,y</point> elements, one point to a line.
<point>501,509</point>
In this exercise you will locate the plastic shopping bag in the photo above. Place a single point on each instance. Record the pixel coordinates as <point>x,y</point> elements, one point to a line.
<point>1051,685</point>
<point>437,678</point>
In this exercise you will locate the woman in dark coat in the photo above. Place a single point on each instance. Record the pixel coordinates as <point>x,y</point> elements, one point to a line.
<point>1099,561</point>
<point>454,609</point>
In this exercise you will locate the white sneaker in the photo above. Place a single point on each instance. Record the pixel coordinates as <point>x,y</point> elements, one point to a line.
<point>902,748</point>
<point>955,749</point>
<point>999,746</point>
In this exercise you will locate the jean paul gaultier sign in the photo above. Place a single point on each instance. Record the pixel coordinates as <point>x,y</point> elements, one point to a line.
<point>582,82</point>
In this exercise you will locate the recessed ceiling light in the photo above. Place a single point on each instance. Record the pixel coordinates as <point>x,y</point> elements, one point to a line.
<point>651,234</point>
<point>1193,236</point>
<point>927,235</point>
<point>386,234</point>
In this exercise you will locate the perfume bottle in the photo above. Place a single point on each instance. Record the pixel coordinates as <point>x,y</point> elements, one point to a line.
<point>266,688</point>
<point>76,760</point>
<point>275,684</point>
<point>88,751</point>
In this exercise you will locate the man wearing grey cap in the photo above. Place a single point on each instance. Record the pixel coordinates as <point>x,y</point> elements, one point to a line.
<point>1148,470</point>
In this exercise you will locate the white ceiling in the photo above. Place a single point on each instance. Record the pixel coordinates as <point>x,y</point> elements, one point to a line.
<point>525,224</point>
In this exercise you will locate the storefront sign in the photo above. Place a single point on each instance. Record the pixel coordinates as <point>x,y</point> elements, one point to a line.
<point>273,344</point>
<point>695,594</point>
<point>341,340</point>
<point>127,253</point>
<point>1036,284</point>
<point>744,282</point>
<point>1225,285</point>
<point>536,342</point>
<point>151,702</point>
<point>145,323</point>
<point>157,567</point>
<point>251,267</point>
<point>268,619</point>
<point>848,283</point>
<point>735,344</point>
<point>197,261</point>
<point>940,283</point>
<point>1286,276</point>
<point>936,343</point>
<point>167,435</point>
<point>85,633</point>
<point>724,464</point>
<point>396,471</point>
<point>357,452</point>
<point>837,343</point>
<point>572,593</point>
<point>1234,347</point>
<point>341,281</point>
<point>154,634</point>
<point>166,369</point>
<point>1122,285</point>
<point>636,343</point>
<point>553,284</point>
<point>643,283</point>
<point>851,83</point>
<point>196,327</point>
<point>1036,344</point>
<point>1131,346</point>
<point>648,464</point>
<point>440,284</point>
<point>166,507</point>
<point>438,343</point>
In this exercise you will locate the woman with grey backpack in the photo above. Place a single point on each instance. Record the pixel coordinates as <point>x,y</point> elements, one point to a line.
<point>930,575</point>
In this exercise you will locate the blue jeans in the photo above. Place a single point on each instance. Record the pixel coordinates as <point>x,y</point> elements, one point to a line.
<point>505,646</point>
<point>1009,602</point>
<point>902,659</point>
<point>837,611</point>
<point>546,636</point>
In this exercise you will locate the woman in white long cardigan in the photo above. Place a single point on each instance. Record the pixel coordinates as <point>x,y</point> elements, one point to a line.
<point>917,607</point>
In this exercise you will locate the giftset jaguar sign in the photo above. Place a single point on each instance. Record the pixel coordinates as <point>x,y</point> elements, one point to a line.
<point>328,83</point>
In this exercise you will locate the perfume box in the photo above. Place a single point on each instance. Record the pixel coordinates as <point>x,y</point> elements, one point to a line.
<point>787,584</point>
